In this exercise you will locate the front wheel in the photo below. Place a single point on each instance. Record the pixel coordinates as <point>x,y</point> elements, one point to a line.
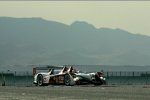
<point>40,80</point>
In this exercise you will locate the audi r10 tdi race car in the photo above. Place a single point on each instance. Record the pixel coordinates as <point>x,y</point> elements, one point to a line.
<point>67,76</point>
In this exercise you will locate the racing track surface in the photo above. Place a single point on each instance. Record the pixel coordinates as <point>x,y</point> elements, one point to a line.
<point>75,93</point>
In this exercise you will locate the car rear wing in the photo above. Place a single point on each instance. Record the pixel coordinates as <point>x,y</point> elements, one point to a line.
<point>49,68</point>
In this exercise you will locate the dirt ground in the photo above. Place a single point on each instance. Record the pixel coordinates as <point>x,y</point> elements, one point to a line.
<point>75,93</point>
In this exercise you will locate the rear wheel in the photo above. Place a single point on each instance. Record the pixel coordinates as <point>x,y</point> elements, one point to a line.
<point>67,80</point>
<point>40,80</point>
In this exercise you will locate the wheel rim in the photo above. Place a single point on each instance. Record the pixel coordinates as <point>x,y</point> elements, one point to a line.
<point>40,80</point>
<point>67,79</point>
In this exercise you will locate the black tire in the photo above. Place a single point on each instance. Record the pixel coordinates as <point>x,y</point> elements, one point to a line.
<point>40,80</point>
<point>67,80</point>
<point>98,81</point>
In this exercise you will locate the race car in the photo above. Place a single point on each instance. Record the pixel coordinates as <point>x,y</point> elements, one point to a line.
<point>64,77</point>
<point>67,76</point>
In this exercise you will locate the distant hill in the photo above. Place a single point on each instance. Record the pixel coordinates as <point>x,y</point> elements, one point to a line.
<point>38,41</point>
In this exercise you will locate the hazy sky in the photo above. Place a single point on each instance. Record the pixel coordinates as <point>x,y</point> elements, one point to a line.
<point>133,16</point>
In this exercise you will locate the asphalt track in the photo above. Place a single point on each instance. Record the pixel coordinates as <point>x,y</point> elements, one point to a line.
<point>75,93</point>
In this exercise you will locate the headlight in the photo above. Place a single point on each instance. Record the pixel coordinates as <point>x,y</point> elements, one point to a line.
<point>101,78</point>
<point>104,78</point>
<point>76,79</point>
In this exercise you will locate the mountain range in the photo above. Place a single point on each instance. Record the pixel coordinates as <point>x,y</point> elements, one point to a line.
<point>26,41</point>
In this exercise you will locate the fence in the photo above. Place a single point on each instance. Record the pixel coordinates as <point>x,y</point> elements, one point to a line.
<point>128,78</point>
<point>16,79</point>
<point>112,78</point>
